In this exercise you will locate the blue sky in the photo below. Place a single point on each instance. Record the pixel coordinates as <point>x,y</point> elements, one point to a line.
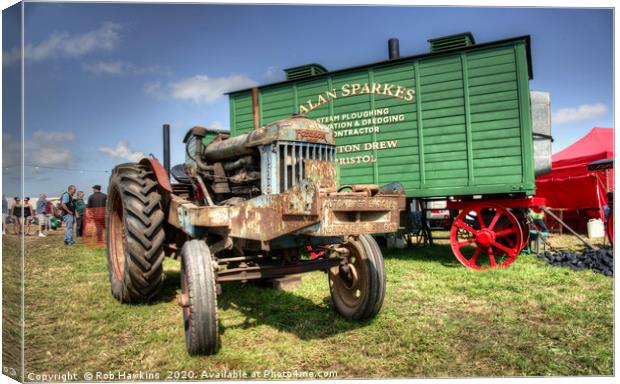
<point>101,79</point>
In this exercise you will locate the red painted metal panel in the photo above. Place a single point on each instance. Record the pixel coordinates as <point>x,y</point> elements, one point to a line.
<point>505,203</point>
<point>160,172</point>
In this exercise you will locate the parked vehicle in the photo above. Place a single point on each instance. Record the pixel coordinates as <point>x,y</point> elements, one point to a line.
<point>458,122</point>
<point>438,214</point>
<point>261,205</point>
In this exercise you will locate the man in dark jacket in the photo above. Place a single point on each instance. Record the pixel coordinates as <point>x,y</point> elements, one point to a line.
<point>97,199</point>
<point>96,208</point>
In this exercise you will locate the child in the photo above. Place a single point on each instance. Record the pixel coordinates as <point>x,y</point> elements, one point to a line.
<point>538,215</point>
<point>41,203</point>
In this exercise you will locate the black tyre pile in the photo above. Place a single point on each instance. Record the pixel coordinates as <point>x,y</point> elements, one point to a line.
<point>600,261</point>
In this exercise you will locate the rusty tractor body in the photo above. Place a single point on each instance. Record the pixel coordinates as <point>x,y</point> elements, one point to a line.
<point>258,206</point>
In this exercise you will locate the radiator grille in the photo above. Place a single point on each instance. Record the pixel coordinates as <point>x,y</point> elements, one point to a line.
<point>291,157</point>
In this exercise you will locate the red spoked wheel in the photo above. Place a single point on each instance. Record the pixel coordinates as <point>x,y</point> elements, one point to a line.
<point>486,236</point>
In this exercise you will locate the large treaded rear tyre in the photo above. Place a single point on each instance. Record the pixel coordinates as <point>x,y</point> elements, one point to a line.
<point>134,234</point>
<point>198,286</point>
<point>358,290</point>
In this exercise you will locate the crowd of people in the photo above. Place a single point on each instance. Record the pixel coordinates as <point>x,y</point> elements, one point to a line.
<point>69,210</point>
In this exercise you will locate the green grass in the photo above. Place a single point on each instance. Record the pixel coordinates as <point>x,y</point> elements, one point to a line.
<point>439,319</point>
<point>11,306</point>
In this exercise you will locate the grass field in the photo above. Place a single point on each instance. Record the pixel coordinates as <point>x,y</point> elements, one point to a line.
<point>439,319</point>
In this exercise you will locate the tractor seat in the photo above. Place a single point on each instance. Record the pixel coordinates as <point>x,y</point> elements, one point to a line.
<point>178,172</point>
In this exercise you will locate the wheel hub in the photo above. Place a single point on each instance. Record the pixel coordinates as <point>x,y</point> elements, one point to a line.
<point>349,275</point>
<point>485,238</point>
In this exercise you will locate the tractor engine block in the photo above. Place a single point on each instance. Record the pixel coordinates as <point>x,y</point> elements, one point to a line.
<point>269,160</point>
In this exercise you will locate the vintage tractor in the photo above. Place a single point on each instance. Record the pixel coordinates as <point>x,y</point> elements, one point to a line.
<point>261,205</point>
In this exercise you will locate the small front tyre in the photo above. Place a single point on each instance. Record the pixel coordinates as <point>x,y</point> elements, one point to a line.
<point>358,287</point>
<point>199,299</point>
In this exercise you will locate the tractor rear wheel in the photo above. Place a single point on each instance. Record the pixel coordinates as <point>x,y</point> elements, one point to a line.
<point>199,299</point>
<point>134,234</point>
<point>358,287</point>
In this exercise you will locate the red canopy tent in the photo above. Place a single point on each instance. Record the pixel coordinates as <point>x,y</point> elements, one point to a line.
<point>570,185</point>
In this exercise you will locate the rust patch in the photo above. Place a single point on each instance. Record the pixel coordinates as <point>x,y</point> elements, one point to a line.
<point>302,199</point>
<point>324,172</point>
<point>311,135</point>
<point>267,217</point>
<point>356,215</point>
<point>213,216</point>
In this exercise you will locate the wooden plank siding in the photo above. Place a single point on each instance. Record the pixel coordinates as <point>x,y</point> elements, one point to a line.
<point>467,130</point>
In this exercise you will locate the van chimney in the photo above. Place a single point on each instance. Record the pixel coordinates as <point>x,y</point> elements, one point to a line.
<point>393,49</point>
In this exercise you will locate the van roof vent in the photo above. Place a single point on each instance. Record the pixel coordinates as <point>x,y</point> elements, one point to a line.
<point>304,71</point>
<point>447,43</point>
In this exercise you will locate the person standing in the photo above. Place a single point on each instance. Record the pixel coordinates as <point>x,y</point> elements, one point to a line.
<point>67,206</point>
<point>5,213</point>
<point>79,208</point>
<point>41,213</point>
<point>28,215</point>
<point>16,213</point>
<point>96,206</point>
<point>49,210</point>
<point>538,216</point>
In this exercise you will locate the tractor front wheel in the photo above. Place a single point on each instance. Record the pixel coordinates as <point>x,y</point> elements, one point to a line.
<point>134,234</point>
<point>199,299</point>
<point>357,286</point>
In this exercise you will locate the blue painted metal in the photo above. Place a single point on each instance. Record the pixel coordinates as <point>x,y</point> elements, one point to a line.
<point>184,221</point>
<point>284,163</point>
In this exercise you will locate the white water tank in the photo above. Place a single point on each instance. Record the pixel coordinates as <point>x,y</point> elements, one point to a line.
<point>596,228</point>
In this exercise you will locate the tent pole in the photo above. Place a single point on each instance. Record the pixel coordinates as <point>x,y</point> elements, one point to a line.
<point>607,181</point>
<point>547,211</point>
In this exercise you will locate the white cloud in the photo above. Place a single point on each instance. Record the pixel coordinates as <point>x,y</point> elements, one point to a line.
<point>217,125</point>
<point>120,68</point>
<point>581,113</point>
<point>122,151</point>
<point>11,153</point>
<point>112,68</point>
<point>204,89</point>
<point>154,89</point>
<point>50,156</point>
<point>47,148</point>
<point>47,136</point>
<point>151,70</point>
<point>43,148</point>
<point>11,57</point>
<point>274,73</point>
<point>64,44</point>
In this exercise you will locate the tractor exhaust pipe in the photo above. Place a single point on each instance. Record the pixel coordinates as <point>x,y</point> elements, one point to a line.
<point>393,49</point>
<point>167,148</point>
